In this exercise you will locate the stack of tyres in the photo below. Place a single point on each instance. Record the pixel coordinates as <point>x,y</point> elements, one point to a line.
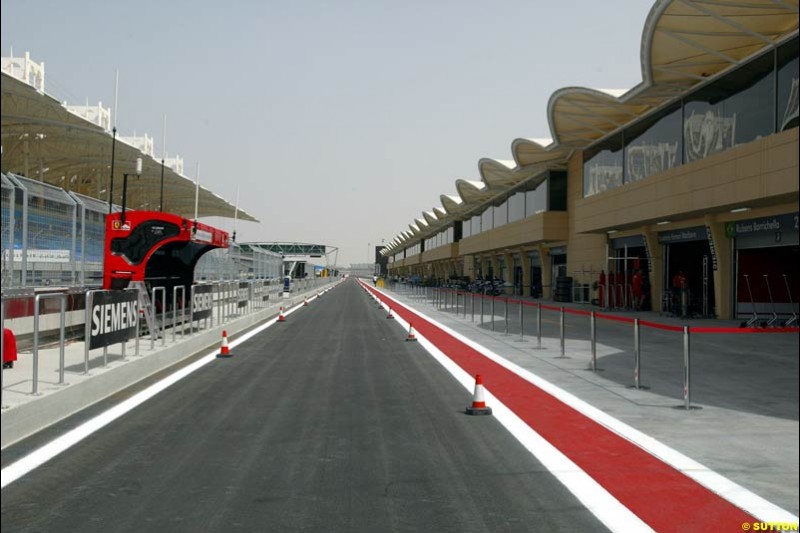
<point>563,289</point>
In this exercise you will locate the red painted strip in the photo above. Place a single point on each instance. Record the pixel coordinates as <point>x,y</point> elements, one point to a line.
<point>662,497</point>
<point>624,319</point>
<point>656,325</point>
<point>577,311</point>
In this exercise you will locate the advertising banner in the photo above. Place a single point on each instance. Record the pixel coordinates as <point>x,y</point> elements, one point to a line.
<point>202,301</point>
<point>112,317</point>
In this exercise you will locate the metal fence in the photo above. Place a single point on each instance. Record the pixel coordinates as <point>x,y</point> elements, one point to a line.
<point>51,237</point>
<point>237,263</point>
<point>42,248</point>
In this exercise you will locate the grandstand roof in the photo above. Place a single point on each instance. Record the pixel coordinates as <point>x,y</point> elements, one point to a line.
<point>684,43</point>
<point>74,153</point>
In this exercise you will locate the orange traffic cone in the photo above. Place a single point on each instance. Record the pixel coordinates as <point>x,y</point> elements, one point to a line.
<point>411,337</point>
<point>478,406</point>
<point>390,315</point>
<point>281,318</point>
<point>224,351</point>
<point>305,301</point>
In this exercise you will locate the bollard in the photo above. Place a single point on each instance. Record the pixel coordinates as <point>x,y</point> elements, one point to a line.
<point>593,331</point>
<point>539,326</point>
<point>87,331</point>
<point>482,299</point>
<point>153,313</point>
<point>637,355</point>
<point>521,323</point>
<point>464,294</point>
<point>687,398</point>
<point>562,327</point>
<point>62,339</point>
<point>506,316</point>
<point>472,307</point>
<point>493,299</point>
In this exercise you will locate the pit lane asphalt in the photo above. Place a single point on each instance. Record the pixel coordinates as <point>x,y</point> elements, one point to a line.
<point>328,422</point>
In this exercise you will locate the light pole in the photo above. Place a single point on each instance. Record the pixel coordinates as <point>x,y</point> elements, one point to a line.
<point>125,186</point>
<point>111,186</point>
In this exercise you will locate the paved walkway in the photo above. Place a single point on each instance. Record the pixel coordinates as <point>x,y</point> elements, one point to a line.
<point>745,385</point>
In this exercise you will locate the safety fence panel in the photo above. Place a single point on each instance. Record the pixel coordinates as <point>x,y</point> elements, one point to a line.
<point>91,235</point>
<point>44,234</point>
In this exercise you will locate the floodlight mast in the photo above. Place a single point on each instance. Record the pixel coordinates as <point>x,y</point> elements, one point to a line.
<point>125,186</point>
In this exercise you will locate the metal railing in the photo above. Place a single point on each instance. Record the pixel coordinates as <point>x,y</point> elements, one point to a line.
<point>447,300</point>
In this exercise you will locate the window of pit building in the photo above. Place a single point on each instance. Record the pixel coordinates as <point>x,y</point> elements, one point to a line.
<point>557,191</point>
<point>466,228</point>
<point>602,166</point>
<point>486,219</point>
<point>736,109</point>
<point>536,199</point>
<point>501,214</point>
<point>475,224</point>
<point>654,144</point>
<point>516,206</point>
<point>787,58</point>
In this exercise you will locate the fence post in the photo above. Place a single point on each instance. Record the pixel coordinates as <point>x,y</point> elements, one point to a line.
<point>62,339</point>
<point>506,315</point>
<point>687,391</point>
<point>493,299</point>
<point>35,376</point>
<point>521,323</point>
<point>482,299</point>
<point>593,331</point>
<point>87,331</point>
<point>539,326</point>
<point>637,355</point>
<point>472,306</point>
<point>562,327</point>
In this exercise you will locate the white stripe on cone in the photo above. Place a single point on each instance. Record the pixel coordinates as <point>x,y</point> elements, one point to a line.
<point>478,401</point>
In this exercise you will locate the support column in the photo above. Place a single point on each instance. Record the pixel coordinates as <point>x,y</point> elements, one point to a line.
<point>495,262</point>
<point>723,276</point>
<point>544,255</point>
<point>656,268</point>
<point>486,263</point>
<point>509,260</point>
<point>469,266</point>
<point>525,261</point>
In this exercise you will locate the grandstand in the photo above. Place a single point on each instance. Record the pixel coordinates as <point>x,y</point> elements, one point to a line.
<point>54,203</point>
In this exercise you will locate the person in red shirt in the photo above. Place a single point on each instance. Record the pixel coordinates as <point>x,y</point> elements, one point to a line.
<point>679,284</point>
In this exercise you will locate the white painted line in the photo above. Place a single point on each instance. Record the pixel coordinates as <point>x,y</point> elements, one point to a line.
<point>589,492</point>
<point>739,496</point>
<point>38,457</point>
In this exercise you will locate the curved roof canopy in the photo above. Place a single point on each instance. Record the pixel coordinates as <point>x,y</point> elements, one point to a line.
<point>75,153</point>
<point>684,43</point>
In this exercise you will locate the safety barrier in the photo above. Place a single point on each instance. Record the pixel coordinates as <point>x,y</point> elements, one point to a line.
<point>447,299</point>
<point>103,326</point>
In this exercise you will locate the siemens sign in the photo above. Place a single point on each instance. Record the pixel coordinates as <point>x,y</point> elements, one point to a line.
<point>113,317</point>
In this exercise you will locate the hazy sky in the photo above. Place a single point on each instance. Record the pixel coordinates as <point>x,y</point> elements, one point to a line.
<point>339,121</point>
